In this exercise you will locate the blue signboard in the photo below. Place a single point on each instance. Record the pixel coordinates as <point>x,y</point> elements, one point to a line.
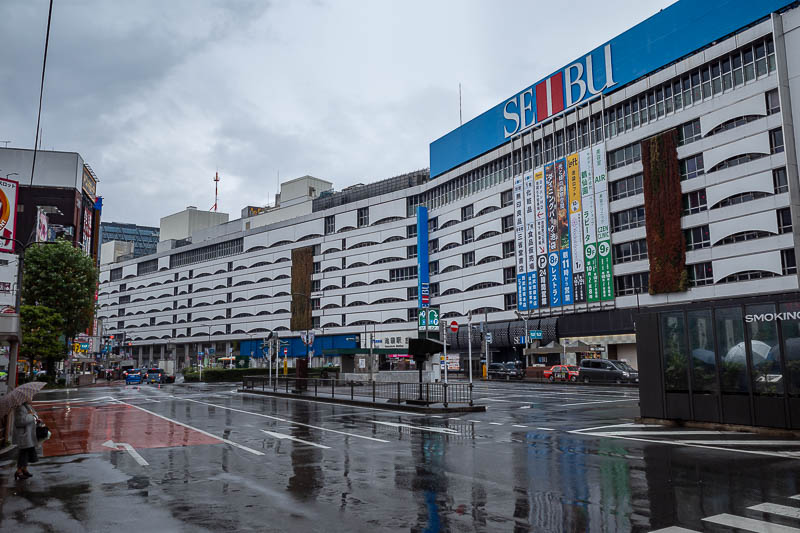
<point>553,264</point>
<point>423,281</point>
<point>667,36</point>
<point>533,290</point>
<point>522,292</point>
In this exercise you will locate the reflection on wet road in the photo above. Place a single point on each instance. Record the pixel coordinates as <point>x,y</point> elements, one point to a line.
<point>542,458</point>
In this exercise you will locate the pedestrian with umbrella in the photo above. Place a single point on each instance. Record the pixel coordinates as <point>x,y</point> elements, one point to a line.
<point>25,424</point>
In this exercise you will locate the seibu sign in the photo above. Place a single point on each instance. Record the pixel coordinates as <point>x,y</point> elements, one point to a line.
<point>561,91</point>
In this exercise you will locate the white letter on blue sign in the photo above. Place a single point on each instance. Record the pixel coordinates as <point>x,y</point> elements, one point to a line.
<point>511,116</point>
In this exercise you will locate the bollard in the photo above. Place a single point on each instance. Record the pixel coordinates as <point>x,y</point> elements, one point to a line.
<point>470,394</point>
<point>398,392</point>
<point>333,385</point>
<point>351,391</point>
<point>445,395</point>
<point>315,388</point>
<point>373,392</point>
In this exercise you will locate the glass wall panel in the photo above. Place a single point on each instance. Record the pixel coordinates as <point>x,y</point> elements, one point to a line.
<point>791,346</point>
<point>701,347</point>
<point>765,349</point>
<point>731,349</point>
<point>673,346</point>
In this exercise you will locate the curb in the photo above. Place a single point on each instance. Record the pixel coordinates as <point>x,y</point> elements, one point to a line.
<point>386,406</point>
<point>759,430</point>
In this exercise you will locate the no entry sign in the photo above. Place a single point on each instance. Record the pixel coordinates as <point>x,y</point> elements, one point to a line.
<point>454,326</point>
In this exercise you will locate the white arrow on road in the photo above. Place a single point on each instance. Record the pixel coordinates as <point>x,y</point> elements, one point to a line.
<point>284,436</point>
<point>446,431</point>
<point>128,448</point>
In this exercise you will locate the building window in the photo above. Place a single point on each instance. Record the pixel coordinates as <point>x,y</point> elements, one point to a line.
<point>748,275</point>
<point>315,285</point>
<point>363,217</point>
<point>467,259</point>
<point>507,223</point>
<point>788,262</point>
<point>412,293</point>
<point>433,224</point>
<point>773,102</point>
<point>784,220</point>
<point>697,237</point>
<point>733,123</point>
<point>314,304</point>
<point>402,274</point>
<point>433,268</point>
<point>316,267</point>
<point>508,249</point>
<point>779,181</point>
<point>411,316</point>
<point>700,274</point>
<point>691,167</point>
<point>330,224</point>
<point>466,212</point>
<point>506,198</point>
<point>433,246</point>
<point>740,199</point>
<point>627,252</point>
<point>624,156</point>
<point>116,274</point>
<point>632,283</point>
<point>626,187</point>
<point>776,141</point>
<point>509,275</point>
<point>147,267</point>
<point>467,236</point>
<point>689,132</point>
<point>628,219</point>
<point>694,202</point>
<point>510,301</point>
<point>206,253</point>
<point>411,231</point>
<point>411,251</point>
<point>744,236</point>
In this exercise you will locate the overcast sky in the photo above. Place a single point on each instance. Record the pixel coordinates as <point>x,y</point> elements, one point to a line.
<point>158,95</point>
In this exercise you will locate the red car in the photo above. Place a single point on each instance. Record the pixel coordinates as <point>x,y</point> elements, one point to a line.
<point>562,373</point>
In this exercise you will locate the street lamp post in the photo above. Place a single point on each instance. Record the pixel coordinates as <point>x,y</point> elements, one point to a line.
<point>525,335</point>
<point>469,344</point>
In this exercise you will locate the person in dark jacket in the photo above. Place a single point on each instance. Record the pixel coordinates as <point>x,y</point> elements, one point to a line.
<point>24,438</point>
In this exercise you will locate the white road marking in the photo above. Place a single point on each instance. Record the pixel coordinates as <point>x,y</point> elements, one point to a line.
<point>474,421</point>
<point>382,411</point>
<point>452,418</point>
<point>436,416</point>
<point>525,407</point>
<point>674,529</point>
<point>795,497</point>
<point>287,421</point>
<point>631,425</point>
<point>67,400</point>
<point>601,401</point>
<point>519,426</point>
<point>546,429</point>
<point>128,448</point>
<point>496,423</point>
<point>774,508</point>
<point>494,400</point>
<point>746,442</point>
<point>283,436</point>
<point>446,431</point>
<point>659,433</point>
<point>206,433</point>
<point>749,524</point>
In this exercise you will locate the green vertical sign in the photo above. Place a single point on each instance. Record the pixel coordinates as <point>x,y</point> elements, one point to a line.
<point>423,319</point>
<point>592,286</point>
<point>603,222</point>
<point>589,226</point>
<point>606,278</point>
<point>433,319</point>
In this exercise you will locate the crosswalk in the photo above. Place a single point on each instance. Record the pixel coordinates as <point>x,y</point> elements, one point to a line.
<point>786,513</point>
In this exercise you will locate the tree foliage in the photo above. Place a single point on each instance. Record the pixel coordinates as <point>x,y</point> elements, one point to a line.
<point>41,332</point>
<point>63,278</point>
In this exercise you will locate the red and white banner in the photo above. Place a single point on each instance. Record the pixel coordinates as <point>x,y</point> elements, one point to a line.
<point>8,214</point>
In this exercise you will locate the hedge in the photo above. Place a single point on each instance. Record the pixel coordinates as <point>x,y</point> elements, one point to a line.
<point>218,375</point>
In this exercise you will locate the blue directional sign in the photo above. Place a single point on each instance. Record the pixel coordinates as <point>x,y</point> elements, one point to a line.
<point>535,334</point>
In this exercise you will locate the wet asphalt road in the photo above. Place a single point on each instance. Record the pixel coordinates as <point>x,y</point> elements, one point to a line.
<point>542,458</point>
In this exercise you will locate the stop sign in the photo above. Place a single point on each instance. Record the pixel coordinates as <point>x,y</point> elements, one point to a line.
<point>454,326</point>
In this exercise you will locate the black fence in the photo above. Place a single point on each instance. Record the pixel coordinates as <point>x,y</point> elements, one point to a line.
<point>370,391</point>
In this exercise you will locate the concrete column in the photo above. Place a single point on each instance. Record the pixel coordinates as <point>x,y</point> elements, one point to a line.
<point>161,352</point>
<point>138,356</point>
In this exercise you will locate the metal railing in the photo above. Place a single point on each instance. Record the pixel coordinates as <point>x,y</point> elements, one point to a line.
<point>369,391</point>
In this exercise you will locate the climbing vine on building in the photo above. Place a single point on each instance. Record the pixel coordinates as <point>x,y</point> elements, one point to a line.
<point>666,247</point>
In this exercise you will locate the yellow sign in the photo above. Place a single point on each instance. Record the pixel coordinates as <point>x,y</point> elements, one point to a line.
<point>573,184</point>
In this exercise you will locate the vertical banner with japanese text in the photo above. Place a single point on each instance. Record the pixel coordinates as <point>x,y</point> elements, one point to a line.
<point>553,243</point>
<point>519,236</point>
<point>540,205</point>
<point>530,242</point>
<point>589,227</point>
<point>576,224</point>
<point>603,222</point>
<point>565,259</point>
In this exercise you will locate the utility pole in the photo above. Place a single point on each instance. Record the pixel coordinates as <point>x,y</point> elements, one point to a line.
<point>486,340</point>
<point>469,344</point>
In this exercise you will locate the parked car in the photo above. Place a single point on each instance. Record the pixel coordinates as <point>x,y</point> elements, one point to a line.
<point>153,375</point>
<point>496,370</point>
<point>607,371</point>
<point>133,378</point>
<point>562,373</point>
<point>513,371</point>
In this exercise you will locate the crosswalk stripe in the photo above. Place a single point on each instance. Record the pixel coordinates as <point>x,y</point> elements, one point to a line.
<point>674,529</point>
<point>657,433</point>
<point>282,436</point>
<point>795,497</point>
<point>749,524</point>
<point>519,426</point>
<point>745,442</point>
<point>496,423</point>
<point>774,508</point>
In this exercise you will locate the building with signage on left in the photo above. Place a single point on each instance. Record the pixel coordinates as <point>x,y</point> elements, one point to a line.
<point>64,187</point>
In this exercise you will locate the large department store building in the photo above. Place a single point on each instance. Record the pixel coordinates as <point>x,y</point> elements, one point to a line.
<point>650,187</point>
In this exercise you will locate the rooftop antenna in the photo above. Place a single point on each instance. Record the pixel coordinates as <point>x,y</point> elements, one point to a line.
<point>216,191</point>
<point>460,120</point>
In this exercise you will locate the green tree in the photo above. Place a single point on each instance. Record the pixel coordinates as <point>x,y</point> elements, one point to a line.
<point>63,278</point>
<point>41,336</point>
